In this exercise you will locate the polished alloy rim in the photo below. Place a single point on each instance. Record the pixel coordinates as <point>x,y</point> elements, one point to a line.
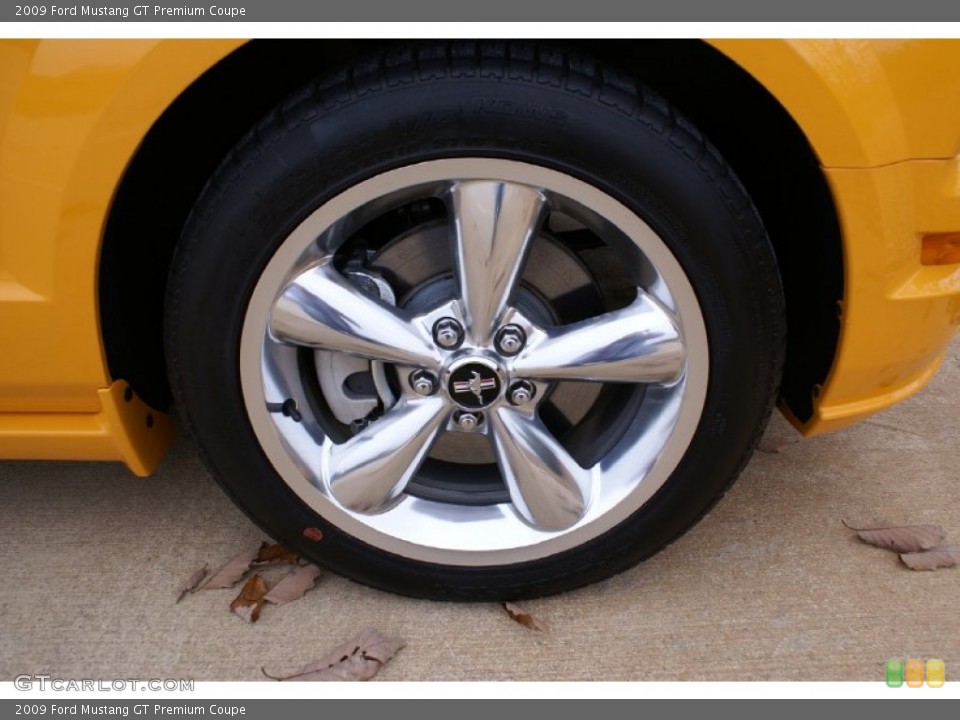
<point>478,360</point>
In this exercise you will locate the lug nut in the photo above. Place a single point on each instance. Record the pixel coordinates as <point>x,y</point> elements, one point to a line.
<point>423,383</point>
<point>447,333</point>
<point>510,339</point>
<point>468,421</point>
<point>521,392</point>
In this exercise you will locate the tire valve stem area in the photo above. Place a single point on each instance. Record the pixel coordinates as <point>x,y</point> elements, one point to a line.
<point>288,408</point>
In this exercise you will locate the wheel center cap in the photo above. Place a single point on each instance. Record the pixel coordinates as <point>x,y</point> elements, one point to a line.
<point>474,383</point>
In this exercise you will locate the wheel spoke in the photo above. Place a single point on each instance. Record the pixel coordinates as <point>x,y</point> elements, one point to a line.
<point>322,309</point>
<point>637,344</point>
<point>493,225</point>
<point>372,468</point>
<point>547,487</point>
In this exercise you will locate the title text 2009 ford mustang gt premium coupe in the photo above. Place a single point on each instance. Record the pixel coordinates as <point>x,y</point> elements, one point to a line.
<point>498,318</point>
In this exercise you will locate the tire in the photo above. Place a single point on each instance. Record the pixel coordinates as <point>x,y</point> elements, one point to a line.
<point>494,319</point>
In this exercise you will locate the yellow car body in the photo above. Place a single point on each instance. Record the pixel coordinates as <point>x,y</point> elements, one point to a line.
<point>882,117</point>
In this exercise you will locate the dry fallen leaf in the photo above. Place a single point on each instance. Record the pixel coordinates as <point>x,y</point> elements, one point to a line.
<point>906,539</point>
<point>359,659</point>
<point>943,557</point>
<point>524,618</point>
<point>293,585</point>
<point>192,583</point>
<point>312,533</point>
<point>233,572</point>
<point>248,603</point>
<point>275,554</point>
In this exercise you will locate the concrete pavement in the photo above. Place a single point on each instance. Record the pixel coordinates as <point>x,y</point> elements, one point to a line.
<point>769,586</point>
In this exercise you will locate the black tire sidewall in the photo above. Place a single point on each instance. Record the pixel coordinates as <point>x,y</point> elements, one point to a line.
<point>321,144</point>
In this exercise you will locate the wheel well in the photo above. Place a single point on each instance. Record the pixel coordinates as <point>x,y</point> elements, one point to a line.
<point>750,128</point>
<point>165,177</point>
<point>782,175</point>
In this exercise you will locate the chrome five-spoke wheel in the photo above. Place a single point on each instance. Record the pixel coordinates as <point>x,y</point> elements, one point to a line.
<point>472,344</point>
<point>475,333</point>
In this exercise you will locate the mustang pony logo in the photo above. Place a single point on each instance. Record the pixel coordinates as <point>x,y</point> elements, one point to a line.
<point>476,385</point>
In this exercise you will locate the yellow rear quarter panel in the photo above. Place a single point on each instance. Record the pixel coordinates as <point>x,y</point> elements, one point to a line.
<point>883,117</point>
